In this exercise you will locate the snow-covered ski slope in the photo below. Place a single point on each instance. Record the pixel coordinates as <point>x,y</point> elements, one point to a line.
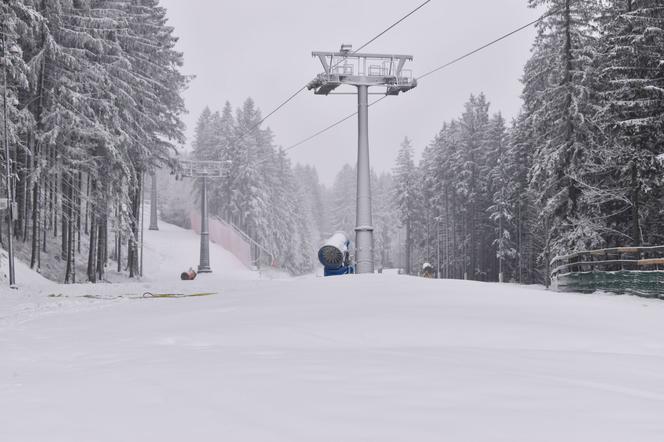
<point>168,252</point>
<point>172,250</point>
<point>361,358</point>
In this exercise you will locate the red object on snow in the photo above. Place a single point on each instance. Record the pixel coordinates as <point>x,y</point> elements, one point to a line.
<point>189,275</point>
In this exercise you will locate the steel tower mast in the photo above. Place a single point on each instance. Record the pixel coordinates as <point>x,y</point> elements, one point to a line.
<point>363,71</point>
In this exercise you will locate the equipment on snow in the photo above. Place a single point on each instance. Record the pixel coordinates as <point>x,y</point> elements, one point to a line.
<point>427,270</point>
<point>189,275</point>
<point>335,255</point>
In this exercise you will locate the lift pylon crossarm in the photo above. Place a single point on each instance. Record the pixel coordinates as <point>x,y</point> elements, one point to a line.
<point>200,169</point>
<point>355,69</point>
<point>345,54</point>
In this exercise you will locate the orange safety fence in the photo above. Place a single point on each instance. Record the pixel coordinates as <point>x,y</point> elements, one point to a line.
<point>224,235</point>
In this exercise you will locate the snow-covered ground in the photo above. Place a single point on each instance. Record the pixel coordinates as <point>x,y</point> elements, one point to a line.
<point>361,358</point>
<point>371,358</point>
<point>168,252</point>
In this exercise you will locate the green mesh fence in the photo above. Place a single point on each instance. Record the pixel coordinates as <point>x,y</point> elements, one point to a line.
<point>643,283</point>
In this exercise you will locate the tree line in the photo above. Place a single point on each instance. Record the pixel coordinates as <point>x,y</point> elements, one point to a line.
<point>276,204</point>
<point>94,104</point>
<point>579,168</point>
<point>340,204</point>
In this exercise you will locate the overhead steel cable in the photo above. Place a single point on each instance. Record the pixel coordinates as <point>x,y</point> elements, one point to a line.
<point>331,126</point>
<point>439,68</point>
<point>395,24</point>
<point>296,93</point>
<point>481,48</point>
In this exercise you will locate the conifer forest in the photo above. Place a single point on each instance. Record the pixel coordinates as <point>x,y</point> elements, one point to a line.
<point>579,168</point>
<point>94,109</point>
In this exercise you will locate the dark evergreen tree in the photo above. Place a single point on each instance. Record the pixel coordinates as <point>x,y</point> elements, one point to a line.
<point>406,197</point>
<point>556,103</point>
<point>631,99</point>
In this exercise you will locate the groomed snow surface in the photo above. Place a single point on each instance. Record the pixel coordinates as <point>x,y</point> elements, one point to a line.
<point>363,358</point>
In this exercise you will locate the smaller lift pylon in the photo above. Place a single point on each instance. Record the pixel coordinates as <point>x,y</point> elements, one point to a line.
<point>203,170</point>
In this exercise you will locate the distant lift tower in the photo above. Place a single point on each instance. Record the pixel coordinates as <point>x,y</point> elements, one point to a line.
<point>203,170</point>
<point>363,71</point>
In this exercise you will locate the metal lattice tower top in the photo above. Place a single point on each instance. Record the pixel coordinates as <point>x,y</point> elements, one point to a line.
<point>346,67</point>
<point>200,169</point>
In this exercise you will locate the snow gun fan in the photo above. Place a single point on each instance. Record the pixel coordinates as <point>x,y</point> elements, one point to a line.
<point>335,257</point>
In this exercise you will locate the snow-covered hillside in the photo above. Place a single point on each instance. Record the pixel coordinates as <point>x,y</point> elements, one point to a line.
<point>168,252</point>
<point>172,250</point>
<point>363,358</point>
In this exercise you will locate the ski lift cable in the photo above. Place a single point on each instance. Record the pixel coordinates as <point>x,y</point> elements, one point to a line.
<point>331,126</point>
<point>392,26</point>
<point>481,48</point>
<point>296,93</point>
<point>431,72</point>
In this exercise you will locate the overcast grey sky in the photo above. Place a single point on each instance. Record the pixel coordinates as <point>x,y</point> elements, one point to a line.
<point>262,49</point>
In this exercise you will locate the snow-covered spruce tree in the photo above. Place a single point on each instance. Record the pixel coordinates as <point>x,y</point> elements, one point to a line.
<point>441,176</point>
<point>343,198</point>
<point>471,185</point>
<point>431,203</point>
<point>291,230</point>
<point>250,171</point>
<point>19,23</point>
<point>556,104</point>
<point>150,71</point>
<point>426,242</point>
<point>205,144</point>
<point>384,219</point>
<point>313,202</point>
<point>631,76</point>
<point>501,212</point>
<point>493,144</point>
<point>227,152</point>
<point>144,86</point>
<point>100,107</point>
<point>451,166</point>
<point>406,197</point>
<point>69,104</point>
<point>527,223</point>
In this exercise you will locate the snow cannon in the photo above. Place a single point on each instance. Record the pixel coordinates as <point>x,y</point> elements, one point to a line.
<point>335,255</point>
<point>427,270</point>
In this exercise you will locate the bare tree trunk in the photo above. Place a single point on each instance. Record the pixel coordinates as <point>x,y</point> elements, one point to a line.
<point>67,224</point>
<point>65,208</point>
<point>101,247</point>
<point>54,195</point>
<point>25,194</point>
<point>87,204</point>
<point>70,250</point>
<point>79,181</point>
<point>92,250</point>
<point>119,240</point>
<point>36,209</point>
<point>454,238</point>
<point>408,249</point>
<point>636,228</point>
<point>132,260</point>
